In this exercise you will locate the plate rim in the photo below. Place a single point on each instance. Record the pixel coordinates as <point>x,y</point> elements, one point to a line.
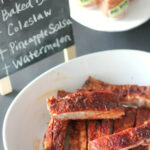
<point>121,30</point>
<point>106,30</point>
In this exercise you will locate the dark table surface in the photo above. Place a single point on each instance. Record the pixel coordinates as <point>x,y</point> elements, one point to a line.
<point>87,41</point>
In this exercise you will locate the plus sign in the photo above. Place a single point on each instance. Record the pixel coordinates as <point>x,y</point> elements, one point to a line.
<point>2,53</point>
<point>6,68</point>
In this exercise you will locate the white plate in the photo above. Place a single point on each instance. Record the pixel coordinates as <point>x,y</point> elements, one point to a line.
<point>138,13</point>
<point>27,117</point>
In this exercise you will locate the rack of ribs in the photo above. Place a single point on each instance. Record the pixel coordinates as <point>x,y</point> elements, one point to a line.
<point>55,134</point>
<point>77,135</point>
<point>85,105</point>
<point>128,94</point>
<point>143,114</point>
<point>123,140</point>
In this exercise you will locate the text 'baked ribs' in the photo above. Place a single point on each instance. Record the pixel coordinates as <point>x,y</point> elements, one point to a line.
<point>123,140</point>
<point>128,94</point>
<point>85,105</point>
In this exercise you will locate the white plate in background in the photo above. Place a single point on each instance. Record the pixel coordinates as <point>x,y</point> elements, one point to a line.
<point>27,117</point>
<point>137,14</point>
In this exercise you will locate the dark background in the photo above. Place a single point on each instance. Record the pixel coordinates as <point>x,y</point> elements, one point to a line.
<point>87,41</point>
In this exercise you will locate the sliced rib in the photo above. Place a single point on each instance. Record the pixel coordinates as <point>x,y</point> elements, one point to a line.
<point>123,140</point>
<point>55,134</point>
<point>143,114</point>
<point>77,135</point>
<point>128,94</point>
<point>77,131</point>
<point>62,93</point>
<point>85,105</point>
<point>126,121</point>
<point>98,128</point>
